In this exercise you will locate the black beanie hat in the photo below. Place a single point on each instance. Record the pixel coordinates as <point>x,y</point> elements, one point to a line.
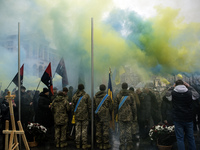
<point>124,85</point>
<point>80,86</point>
<point>65,89</point>
<point>131,88</point>
<point>45,90</point>
<point>102,87</point>
<point>23,87</point>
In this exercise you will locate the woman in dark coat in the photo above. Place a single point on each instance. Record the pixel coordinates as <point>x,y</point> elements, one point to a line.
<point>44,114</point>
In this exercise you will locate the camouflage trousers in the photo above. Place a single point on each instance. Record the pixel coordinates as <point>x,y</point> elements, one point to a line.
<point>81,132</point>
<point>60,133</point>
<point>125,133</point>
<point>102,132</point>
<point>135,127</point>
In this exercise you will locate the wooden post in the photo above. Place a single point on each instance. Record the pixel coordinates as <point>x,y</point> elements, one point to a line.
<point>23,135</point>
<point>13,133</point>
<point>6,135</point>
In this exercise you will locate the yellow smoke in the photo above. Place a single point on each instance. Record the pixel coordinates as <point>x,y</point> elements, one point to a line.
<point>66,20</point>
<point>179,76</point>
<point>164,80</point>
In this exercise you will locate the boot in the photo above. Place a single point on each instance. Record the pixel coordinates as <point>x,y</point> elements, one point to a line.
<point>78,146</point>
<point>57,145</point>
<point>101,146</point>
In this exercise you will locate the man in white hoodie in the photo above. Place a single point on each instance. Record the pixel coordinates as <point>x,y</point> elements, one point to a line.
<point>182,95</point>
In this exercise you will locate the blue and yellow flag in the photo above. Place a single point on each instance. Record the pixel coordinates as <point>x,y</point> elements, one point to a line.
<point>110,93</point>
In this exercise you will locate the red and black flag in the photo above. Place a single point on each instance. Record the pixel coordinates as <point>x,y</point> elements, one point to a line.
<point>61,70</point>
<point>15,79</point>
<point>47,78</point>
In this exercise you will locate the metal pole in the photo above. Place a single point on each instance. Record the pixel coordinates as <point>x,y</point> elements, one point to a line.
<point>92,86</point>
<point>19,80</point>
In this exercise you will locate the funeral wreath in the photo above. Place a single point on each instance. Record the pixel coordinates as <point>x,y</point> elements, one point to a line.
<point>35,131</point>
<point>163,134</point>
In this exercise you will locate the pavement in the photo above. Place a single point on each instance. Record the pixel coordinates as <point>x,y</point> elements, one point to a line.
<point>140,144</point>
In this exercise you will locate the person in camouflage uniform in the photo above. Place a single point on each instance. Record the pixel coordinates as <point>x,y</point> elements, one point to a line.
<point>55,93</point>
<point>126,114</point>
<point>102,117</point>
<point>59,107</point>
<point>82,112</point>
<point>135,127</point>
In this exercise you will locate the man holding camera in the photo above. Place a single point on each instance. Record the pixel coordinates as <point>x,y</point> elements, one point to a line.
<point>182,95</point>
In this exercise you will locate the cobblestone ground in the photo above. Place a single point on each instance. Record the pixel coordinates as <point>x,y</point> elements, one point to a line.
<point>145,144</point>
<point>139,145</point>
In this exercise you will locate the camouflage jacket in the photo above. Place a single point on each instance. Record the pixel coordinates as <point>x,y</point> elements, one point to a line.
<point>127,110</point>
<point>105,111</point>
<point>83,111</point>
<point>59,107</point>
<point>53,96</point>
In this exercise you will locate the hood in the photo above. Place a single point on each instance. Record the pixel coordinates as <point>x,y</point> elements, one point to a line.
<point>100,94</point>
<point>124,92</point>
<point>59,98</point>
<point>80,93</point>
<point>180,89</point>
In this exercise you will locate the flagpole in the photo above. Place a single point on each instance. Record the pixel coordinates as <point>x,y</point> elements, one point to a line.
<point>9,85</point>
<point>54,75</point>
<point>19,80</point>
<point>38,85</point>
<point>92,86</point>
<point>19,84</point>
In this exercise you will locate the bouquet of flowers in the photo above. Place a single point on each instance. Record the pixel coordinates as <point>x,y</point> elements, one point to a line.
<point>163,134</point>
<point>35,130</point>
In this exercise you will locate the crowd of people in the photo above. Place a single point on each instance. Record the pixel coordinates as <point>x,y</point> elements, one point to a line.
<point>134,111</point>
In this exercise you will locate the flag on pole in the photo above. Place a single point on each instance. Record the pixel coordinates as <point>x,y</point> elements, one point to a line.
<point>110,93</point>
<point>110,86</point>
<point>61,70</point>
<point>47,78</point>
<point>15,79</point>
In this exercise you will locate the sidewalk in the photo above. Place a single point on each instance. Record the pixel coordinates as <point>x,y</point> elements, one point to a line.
<point>140,145</point>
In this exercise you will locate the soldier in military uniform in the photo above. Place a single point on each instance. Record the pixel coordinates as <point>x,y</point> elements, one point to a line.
<point>81,104</point>
<point>103,110</point>
<point>55,93</point>
<point>135,127</point>
<point>59,107</point>
<point>124,107</point>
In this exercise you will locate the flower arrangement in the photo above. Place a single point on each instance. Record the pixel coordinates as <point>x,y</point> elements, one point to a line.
<point>35,130</point>
<point>163,134</point>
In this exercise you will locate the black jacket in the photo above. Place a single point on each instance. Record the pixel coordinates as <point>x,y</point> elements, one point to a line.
<point>166,110</point>
<point>44,115</point>
<point>182,98</point>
